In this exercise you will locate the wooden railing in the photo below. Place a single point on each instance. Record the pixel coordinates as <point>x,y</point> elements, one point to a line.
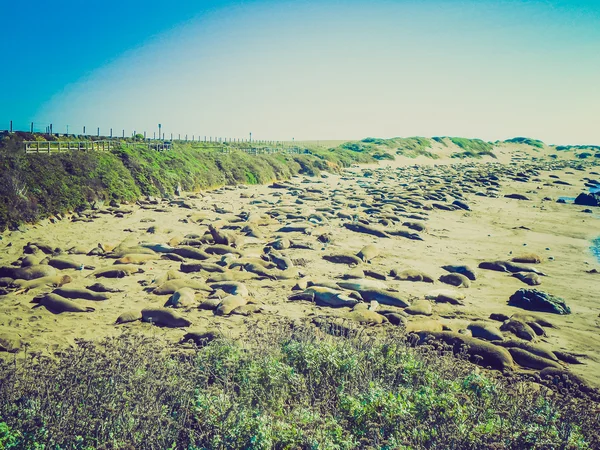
<point>67,146</point>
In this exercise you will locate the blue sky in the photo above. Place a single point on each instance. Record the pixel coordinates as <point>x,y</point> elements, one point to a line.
<point>309,70</point>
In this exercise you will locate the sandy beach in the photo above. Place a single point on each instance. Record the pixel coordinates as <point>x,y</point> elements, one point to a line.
<point>386,196</point>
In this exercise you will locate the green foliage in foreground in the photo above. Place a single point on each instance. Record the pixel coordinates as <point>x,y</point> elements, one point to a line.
<point>290,389</point>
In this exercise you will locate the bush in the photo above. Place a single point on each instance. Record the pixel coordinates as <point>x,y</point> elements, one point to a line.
<point>287,388</point>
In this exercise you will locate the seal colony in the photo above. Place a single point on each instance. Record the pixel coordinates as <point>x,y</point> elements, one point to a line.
<point>447,252</point>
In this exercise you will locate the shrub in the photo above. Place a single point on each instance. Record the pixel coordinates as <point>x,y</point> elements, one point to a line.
<point>286,388</point>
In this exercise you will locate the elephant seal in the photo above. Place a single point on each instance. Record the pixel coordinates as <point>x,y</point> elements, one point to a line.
<point>368,252</point>
<point>531,361</point>
<point>182,298</point>
<point>247,310</point>
<point>231,287</point>
<point>86,294</point>
<point>225,238</point>
<point>282,262</point>
<point>456,279</point>
<point>519,329</point>
<point>99,287</point>
<point>462,269</point>
<point>167,276</point>
<point>56,280</point>
<point>383,297</point>
<point>531,318</point>
<point>567,357</point>
<point>482,352</point>
<point>212,303</point>
<point>531,279</point>
<point>120,252</point>
<point>232,275</point>
<point>528,258</point>
<point>28,273</point>
<point>361,228</point>
<point>164,317</point>
<point>29,260</point>
<point>411,275</point>
<point>191,253</point>
<point>446,296</point>
<point>198,267</point>
<point>260,271</point>
<point>57,304</point>
<point>120,272</point>
<point>172,286</point>
<point>325,297</point>
<point>129,316</point>
<point>63,263</point>
<point>485,331</point>
<point>528,346</point>
<point>229,304</point>
<point>367,317</point>
<point>136,258</point>
<point>280,244</point>
<point>359,285</point>
<point>220,249</point>
<point>420,308</point>
<point>424,325</point>
<point>508,266</point>
<point>343,259</point>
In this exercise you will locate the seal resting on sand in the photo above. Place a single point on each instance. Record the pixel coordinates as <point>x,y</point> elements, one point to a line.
<point>456,279</point>
<point>57,304</point>
<point>484,353</point>
<point>164,317</point>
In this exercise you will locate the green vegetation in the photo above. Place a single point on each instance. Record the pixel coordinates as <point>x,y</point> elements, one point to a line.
<point>410,147</point>
<point>527,141</point>
<point>473,148</point>
<point>35,186</point>
<point>561,148</point>
<point>289,388</point>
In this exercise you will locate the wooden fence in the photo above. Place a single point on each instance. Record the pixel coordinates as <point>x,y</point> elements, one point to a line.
<point>67,146</point>
<point>263,150</point>
<point>108,145</point>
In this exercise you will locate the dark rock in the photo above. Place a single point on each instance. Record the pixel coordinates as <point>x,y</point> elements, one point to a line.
<point>588,199</point>
<point>534,300</point>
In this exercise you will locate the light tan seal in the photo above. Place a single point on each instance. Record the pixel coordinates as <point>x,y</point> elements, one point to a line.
<point>57,304</point>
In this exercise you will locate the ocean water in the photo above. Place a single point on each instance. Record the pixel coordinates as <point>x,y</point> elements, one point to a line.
<point>595,248</point>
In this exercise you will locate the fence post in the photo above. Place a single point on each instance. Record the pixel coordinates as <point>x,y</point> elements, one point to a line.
<point>11,126</point>
<point>31,127</point>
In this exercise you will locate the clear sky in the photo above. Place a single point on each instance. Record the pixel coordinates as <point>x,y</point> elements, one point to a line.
<point>305,69</point>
